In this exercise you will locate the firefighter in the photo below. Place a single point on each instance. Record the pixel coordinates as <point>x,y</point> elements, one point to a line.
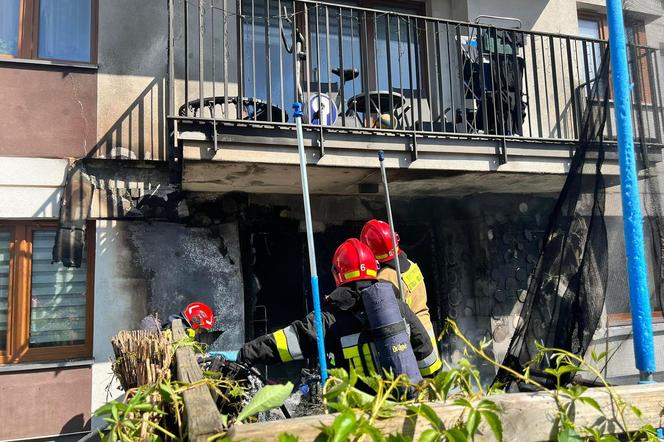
<point>350,340</point>
<point>377,235</point>
<point>196,317</point>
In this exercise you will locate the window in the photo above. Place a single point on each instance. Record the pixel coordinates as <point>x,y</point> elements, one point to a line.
<point>45,308</point>
<point>617,290</point>
<point>334,40</point>
<point>593,25</point>
<point>58,30</point>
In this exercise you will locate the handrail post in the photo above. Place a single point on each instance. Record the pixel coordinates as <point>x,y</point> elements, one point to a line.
<point>632,218</point>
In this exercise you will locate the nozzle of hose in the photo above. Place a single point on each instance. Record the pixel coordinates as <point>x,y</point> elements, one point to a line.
<point>297,110</point>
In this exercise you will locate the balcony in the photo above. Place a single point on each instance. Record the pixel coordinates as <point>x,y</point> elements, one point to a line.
<point>435,94</point>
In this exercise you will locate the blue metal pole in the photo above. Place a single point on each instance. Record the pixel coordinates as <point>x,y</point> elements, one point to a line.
<point>318,317</point>
<point>639,295</point>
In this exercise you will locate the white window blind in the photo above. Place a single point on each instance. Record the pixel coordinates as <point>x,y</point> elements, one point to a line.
<point>57,310</point>
<point>5,239</point>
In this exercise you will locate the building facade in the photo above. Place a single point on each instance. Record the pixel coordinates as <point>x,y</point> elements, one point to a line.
<point>149,145</point>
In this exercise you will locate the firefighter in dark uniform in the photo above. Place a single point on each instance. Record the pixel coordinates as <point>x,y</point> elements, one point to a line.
<point>377,235</point>
<point>348,340</point>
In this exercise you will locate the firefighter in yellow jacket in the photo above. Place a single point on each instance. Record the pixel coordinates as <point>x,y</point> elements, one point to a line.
<point>376,234</point>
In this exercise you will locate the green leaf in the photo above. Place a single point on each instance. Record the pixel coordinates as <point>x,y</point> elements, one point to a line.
<point>343,426</point>
<point>429,414</point>
<point>636,411</point>
<point>444,381</point>
<point>598,357</point>
<point>551,371</point>
<point>339,373</point>
<point>114,410</point>
<point>286,437</point>
<point>486,404</point>
<point>473,422</point>
<point>591,402</point>
<point>373,432</point>
<point>463,403</point>
<point>569,435</point>
<point>429,435</point>
<point>494,422</point>
<point>456,435</point>
<point>267,398</point>
<point>104,409</point>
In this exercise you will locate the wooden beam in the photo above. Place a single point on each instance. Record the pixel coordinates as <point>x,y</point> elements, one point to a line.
<point>525,416</point>
<point>203,417</point>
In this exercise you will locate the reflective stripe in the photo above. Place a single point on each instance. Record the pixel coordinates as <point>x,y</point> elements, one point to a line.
<point>379,257</point>
<point>368,357</point>
<point>429,364</point>
<point>282,345</point>
<point>371,272</point>
<point>351,352</point>
<point>434,341</point>
<point>429,360</point>
<point>349,340</point>
<point>293,343</point>
<point>353,274</point>
<point>413,277</point>
<point>434,368</point>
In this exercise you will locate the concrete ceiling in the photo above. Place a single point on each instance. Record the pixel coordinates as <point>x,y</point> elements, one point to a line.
<point>222,177</point>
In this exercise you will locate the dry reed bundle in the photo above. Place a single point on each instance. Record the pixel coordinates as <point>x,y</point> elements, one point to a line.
<point>141,357</point>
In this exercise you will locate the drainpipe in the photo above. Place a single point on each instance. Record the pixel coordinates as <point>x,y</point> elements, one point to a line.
<point>639,295</point>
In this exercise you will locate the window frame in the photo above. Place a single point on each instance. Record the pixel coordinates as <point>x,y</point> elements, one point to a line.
<point>28,34</point>
<point>637,28</point>
<point>19,297</point>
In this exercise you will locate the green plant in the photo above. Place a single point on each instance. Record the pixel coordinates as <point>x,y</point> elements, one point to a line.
<point>361,412</point>
<point>139,417</point>
<point>267,398</point>
<point>566,396</point>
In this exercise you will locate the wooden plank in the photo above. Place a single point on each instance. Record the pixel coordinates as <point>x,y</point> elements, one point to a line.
<point>203,417</point>
<point>525,416</point>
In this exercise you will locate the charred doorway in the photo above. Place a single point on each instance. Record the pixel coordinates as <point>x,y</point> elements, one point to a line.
<point>276,269</point>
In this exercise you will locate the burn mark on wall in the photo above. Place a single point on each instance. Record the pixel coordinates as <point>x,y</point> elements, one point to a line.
<point>184,264</point>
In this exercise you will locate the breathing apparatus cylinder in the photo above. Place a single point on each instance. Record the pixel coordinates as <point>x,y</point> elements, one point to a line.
<point>388,331</point>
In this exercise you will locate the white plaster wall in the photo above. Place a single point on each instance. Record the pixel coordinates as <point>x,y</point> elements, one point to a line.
<point>118,306</point>
<point>31,187</point>
<point>557,16</point>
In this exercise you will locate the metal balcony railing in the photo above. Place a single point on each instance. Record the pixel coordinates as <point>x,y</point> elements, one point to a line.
<point>366,70</point>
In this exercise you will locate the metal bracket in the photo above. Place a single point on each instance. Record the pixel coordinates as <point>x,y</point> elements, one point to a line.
<point>321,141</point>
<point>413,147</point>
<point>214,134</point>
<point>502,151</point>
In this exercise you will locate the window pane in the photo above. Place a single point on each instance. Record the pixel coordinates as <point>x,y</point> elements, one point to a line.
<point>9,26</point>
<point>57,311</point>
<point>64,29</point>
<point>590,29</point>
<point>5,238</point>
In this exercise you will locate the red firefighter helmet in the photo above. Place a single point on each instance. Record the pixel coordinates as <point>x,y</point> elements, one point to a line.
<point>199,314</point>
<point>376,234</point>
<point>353,261</point>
